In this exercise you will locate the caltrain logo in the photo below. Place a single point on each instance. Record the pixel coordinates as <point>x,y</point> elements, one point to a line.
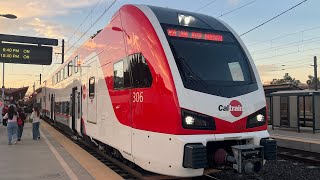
<point>235,108</point>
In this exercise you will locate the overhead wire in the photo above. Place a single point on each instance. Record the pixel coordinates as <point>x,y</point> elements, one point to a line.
<point>292,44</point>
<point>273,18</point>
<point>283,36</point>
<point>286,54</point>
<point>283,62</point>
<point>83,21</point>
<point>73,45</point>
<point>202,7</point>
<point>92,25</point>
<point>229,12</point>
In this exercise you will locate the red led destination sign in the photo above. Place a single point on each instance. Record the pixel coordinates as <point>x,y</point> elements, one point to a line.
<point>195,35</point>
<point>25,54</point>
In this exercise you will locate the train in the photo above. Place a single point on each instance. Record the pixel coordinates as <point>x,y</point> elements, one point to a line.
<point>173,92</point>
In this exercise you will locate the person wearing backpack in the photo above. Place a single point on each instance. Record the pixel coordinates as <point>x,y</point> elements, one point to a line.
<point>35,116</point>
<point>4,112</point>
<point>20,121</point>
<point>12,125</point>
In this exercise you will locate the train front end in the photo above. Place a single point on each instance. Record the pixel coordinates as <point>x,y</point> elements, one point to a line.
<point>222,103</point>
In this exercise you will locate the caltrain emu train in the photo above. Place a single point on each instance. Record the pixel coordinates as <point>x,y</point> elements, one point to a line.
<point>171,91</point>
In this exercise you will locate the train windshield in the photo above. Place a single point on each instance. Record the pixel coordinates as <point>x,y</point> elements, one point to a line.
<point>209,60</point>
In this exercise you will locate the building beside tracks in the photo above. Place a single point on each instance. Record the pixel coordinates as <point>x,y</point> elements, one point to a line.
<point>15,94</point>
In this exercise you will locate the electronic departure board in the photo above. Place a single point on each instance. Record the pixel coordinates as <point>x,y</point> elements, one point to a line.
<point>25,54</point>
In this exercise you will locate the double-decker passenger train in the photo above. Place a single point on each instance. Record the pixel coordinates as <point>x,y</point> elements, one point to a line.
<point>171,91</point>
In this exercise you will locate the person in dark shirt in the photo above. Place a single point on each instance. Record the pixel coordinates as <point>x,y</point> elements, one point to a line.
<point>21,119</point>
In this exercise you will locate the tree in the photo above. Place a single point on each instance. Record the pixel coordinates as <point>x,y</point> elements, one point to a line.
<point>312,81</point>
<point>287,79</point>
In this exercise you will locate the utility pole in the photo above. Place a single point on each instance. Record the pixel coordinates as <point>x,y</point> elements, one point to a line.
<point>40,79</point>
<point>2,82</point>
<point>315,65</point>
<point>62,53</point>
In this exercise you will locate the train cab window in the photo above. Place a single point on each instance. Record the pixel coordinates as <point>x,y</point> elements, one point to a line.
<point>141,74</point>
<point>118,80</point>
<point>70,68</point>
<point>91,87</point>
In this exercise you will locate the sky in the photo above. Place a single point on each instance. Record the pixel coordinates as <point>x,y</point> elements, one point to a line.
<point>286,44</point>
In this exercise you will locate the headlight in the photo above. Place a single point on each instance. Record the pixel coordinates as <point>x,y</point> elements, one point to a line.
<point>257,119</point>
<point>194,120</point>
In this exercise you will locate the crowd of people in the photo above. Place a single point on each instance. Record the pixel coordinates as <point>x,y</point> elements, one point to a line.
<point>14,118</point>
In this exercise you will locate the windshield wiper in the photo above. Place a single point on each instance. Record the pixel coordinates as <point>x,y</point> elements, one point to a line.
<point>187,72</point>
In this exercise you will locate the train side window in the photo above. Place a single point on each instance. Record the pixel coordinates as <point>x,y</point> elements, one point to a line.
<point>60,75</point>
<point>141,74</point>
<point>118,80</point>
<point>65,71</point>
<point>126,73</point>
<point>70,68</point>
<point>63,74</point>
<point>91,87</point>
<point>76,59</point>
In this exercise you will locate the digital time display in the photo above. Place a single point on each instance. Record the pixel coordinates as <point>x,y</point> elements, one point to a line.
<point>25,54</point>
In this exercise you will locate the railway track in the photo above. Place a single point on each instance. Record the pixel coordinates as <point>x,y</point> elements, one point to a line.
<point>126,171</point>
<point>129,172</point>
<point>306,157</point>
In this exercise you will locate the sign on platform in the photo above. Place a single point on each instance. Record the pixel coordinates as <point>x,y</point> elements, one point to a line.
<point>25,54</point>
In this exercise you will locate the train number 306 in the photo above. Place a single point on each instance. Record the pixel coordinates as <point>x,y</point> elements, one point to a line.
<point>137,96</point>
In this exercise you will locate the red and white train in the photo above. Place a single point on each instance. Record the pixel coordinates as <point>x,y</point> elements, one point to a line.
<point>174,92</point>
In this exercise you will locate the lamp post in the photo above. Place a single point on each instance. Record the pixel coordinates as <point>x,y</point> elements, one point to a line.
<point>9,16</point>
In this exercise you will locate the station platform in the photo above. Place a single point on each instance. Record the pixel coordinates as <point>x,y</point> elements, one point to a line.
<point>290,138</point>
<point>52,157</point>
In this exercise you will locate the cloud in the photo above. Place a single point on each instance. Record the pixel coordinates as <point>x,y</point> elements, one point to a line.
<point>35,27</point>
<point>266,71</point>
<point>29,9</point>
<point>233,2</point>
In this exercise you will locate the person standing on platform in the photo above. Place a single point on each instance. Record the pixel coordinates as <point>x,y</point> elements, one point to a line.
<point>12,125</point>
<point>35,116</point>
<point>21,119</point>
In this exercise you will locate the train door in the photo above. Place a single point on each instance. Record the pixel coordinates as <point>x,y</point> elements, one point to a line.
<point>52,107</point>
<point>121,99</point>
<point>92,99</point>
<point>74,107</point>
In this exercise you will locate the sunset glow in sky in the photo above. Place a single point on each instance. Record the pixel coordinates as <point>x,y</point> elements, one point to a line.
<point>286,44</point>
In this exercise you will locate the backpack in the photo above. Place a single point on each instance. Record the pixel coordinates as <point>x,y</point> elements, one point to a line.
<point>20,121</point>
<point>4,122</point>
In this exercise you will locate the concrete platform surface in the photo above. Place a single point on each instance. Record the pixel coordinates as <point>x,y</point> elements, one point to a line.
<point>47,158</point>
<point>290,138</point>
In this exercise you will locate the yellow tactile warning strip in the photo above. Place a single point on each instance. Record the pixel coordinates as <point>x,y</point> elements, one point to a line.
<point>96,168</point>
<point>304,140</point>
